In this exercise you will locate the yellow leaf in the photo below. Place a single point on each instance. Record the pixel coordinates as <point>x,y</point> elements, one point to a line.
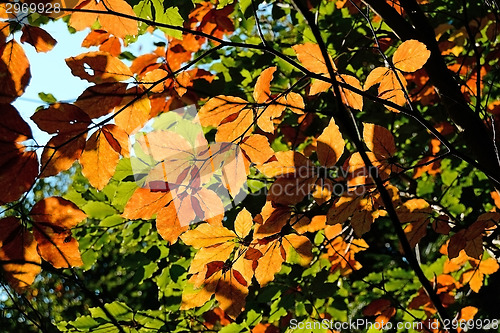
<point>243,223</point>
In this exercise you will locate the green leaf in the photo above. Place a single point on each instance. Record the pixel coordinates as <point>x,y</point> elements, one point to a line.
<point>47,98</point>
<point>98,210</point>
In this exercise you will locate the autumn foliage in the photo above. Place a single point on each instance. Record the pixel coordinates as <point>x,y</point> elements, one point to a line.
<point>331,169</point>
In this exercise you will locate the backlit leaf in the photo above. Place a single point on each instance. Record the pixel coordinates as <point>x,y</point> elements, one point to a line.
<point>330,145</point>
<point>98,67</point>
<point>98,160</point>
<point>41,40</point>
<point>410,56</point>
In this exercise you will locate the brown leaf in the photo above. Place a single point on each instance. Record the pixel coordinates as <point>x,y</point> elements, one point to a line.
<point>100,99</point>
<point>18,175</point>
<point>62,118</point>
<point>61,152</point>
<point>41,40</point>
<point>13,128</point>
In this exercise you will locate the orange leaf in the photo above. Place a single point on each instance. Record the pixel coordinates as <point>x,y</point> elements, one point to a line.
<point>59,248</point>
<point>375,77</point>
<point>144,204</point>
<point>118,26</point>
<point>135,115</point>
<point>349,97</point>
<point>57,212</point>
<point>117,138</point>
<point>330,145</point>
<point>293,101</point>
<point>95,38</point>
<point>234,128</point>
<point>182,82</point>
<point>342,209</point>
<point>231,294</point>
<point>271,220</point>
<point>100,99</point>
<point>213,112</point>
<point>298,246</point>
<point>410,56</point>
<point>98,67</point>
<point>154,80</point>
<point>257,148</point>
<point>15,69</point>
<point>206,255</point>
<point>270,263</point>
<point>310,56</point>
<point>262,90</point>
<point>98,160</point>
<point>168,225</point>
<point>53,218</point>
<point>112,46</point>
<point>17,245</point>
<point>39,38</point>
